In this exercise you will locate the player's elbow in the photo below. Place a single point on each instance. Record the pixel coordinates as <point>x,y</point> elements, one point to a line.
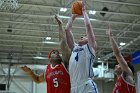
<point>37,80</point>
<point>67,29</point>
<point>95,46</point>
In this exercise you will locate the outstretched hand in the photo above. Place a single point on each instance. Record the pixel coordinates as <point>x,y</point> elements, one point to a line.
<point>109,31</point>
<point>83,5</point>
<point>26,69</point>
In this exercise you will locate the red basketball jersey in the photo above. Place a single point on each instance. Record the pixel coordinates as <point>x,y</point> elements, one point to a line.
<point>122,86</point>
<point>57,78</point>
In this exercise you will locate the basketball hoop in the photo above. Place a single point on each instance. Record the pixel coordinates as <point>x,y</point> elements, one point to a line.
<point>8,4</point>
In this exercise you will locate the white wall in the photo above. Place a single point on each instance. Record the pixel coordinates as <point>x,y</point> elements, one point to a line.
<point>41,88</point>
<point>25,85</point>
<point>21,83</point>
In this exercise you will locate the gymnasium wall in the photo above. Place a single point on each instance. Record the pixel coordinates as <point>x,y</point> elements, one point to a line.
<point>21,83</point>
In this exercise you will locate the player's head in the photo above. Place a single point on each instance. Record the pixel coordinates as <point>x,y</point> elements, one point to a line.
<point>118,70</point>
<point>54,56</point>
<point>83,40</point>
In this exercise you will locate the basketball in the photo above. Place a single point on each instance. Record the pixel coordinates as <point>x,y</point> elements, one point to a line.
<point>77,7</point>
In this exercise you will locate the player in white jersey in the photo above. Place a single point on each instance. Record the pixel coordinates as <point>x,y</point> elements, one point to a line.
<point>82,57</point>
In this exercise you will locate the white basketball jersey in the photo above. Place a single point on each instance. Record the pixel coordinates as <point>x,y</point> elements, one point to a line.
<point>80,64</point>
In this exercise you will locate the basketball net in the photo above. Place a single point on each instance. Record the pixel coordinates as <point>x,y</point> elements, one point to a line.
<point>8,4</point>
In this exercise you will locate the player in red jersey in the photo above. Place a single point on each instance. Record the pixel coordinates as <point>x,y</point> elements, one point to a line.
<point>55,75</point>
<point>124,70</point>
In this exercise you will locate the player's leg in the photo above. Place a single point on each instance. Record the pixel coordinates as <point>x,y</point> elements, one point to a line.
<point>90,87</point>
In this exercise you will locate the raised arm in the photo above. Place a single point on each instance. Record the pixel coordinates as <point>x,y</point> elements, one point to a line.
<point>89,30</point>
<point>63,45</point>
<point>34,77</point>
<point>61,30</point>
<point>69,34</point>
<point>118,55</point>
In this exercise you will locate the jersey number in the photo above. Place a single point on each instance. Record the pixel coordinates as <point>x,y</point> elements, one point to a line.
<point>55,82</point>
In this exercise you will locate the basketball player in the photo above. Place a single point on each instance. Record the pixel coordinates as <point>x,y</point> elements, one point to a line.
<point>55,75</point>
<point>124,71</point>
<point>82,57</point>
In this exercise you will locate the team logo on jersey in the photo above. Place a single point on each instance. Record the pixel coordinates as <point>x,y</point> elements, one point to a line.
<point>79,49</point>
<point>54,73</point>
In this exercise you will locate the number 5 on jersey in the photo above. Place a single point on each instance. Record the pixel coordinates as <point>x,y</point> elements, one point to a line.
<point>55,82</point>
